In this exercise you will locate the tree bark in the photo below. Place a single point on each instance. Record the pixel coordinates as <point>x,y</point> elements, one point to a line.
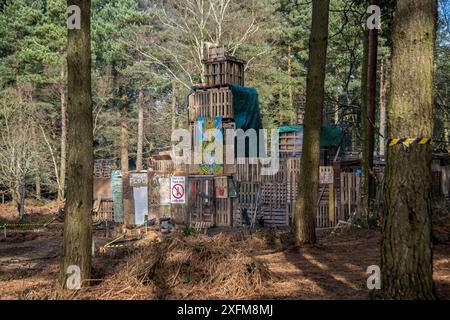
<point>37,184</point>
<point>174,106</point>
<point>124,137</point>
<point>290,87</point>
<point>368,92</point>
<point>407,271</point>
<point>383,89</point>
<point>22,200</point>
<point>140,143</point>
<point>77,240</point>
<point>306,206</point>
<point>62,169</point>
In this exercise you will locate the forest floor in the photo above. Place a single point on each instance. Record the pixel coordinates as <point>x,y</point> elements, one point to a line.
<point>223,265</point>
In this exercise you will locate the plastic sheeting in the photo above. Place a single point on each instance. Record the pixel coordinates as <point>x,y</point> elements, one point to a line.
<point>331,136</point>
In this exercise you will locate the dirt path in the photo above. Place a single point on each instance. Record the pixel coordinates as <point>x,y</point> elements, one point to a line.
<point>333,269</point>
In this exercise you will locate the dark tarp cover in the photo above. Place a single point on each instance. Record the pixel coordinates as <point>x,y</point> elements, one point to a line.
<point>332,136</point>
<point>246,108</point>
<point>247,114</point>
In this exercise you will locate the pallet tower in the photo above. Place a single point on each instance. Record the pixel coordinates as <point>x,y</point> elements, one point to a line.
<point>208,188</point>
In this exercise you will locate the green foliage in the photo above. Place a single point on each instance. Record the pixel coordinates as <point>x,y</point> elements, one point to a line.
<point>188,230</point>
<point>147,45</point>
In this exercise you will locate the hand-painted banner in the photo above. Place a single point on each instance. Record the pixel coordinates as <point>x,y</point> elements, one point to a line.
<point>117,190</point>
<point>210,142</point>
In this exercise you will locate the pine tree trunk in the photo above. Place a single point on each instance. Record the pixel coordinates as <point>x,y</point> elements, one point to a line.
<point>309,175</point>
<point>290,86</point>
<point>124,138</point>
<point>140,143</point>
<point>382,109</point>
<point>62,169</point>
<point>77,240</point>
<point>368,93</point>
<point>407,271</point>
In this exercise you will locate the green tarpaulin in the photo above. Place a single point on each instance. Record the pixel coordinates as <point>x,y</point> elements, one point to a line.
<point>332,136</point>
<point>246,108</point>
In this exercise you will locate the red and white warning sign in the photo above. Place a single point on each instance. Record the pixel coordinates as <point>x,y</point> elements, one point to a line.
<point>178,190</point>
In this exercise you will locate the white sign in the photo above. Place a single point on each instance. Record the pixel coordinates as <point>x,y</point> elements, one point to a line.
<point>140,196</point>
<point>138,179</point>
<point>178,190</point>
<point>326,175</point>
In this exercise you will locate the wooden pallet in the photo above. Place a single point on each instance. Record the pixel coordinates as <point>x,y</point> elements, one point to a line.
<point>293,173</point>
<point>280,176</point>
<point>291,142</point>
<point>202,226</point>
<point>248,170</point>
<point>274,195</point>
<point>210,103</point>
<point>201,204</point>
<point>162,165</point>
<point>275,216</point>
<point>224,71</point>
<point>224,209</point>
<point>214,52</point>
<point>103,168</point>
<point>103,210</point>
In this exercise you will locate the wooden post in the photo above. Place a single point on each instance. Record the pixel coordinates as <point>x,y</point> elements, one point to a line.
<point>331,201</point>
<point>128,205</point>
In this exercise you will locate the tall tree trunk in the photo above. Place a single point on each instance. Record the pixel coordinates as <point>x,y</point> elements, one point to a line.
<point>22,199</point>
<point>368,92</point>
<point>140,143</point>
<point>37,184</point>
<point>124,136</point>
<point>407,270</point>
<point>336,111</point>
<point>383,89</point>
<point>15,196</point>
<point>37,177</point>
<point>62,169</point>
<point>174,106</point>
<point>290,87</point>
<point>77,240</point>
<point>309,175</point>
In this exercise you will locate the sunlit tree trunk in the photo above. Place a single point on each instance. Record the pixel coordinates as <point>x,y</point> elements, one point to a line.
<point>309,175</point>
<point>77,239</point>
<point>124,135</point>
<point>407,270</point>
<point>140,143</point>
